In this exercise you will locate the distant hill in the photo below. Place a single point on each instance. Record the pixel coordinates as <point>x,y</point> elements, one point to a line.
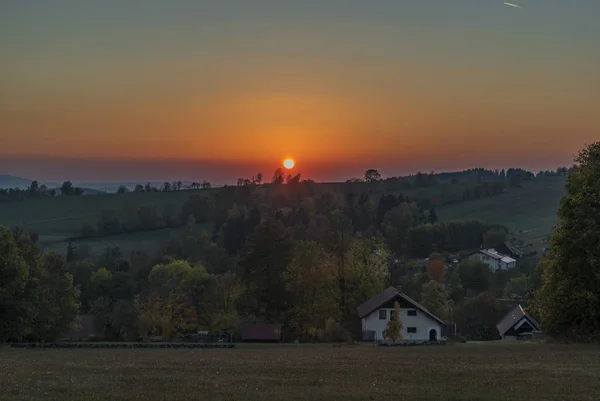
<point>528,212</point>
<point>112,187</point>
<point>11,181</point>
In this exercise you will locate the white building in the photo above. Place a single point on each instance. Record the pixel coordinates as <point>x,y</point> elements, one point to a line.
<point>418,324</point>
<point>494,259</point>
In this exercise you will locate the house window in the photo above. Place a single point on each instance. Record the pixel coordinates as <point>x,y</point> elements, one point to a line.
<point>411,330</point>
<point>382,314</point>
<point>412,312</point>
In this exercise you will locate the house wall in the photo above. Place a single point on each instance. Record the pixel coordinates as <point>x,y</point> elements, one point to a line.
<point>494,264</point>
<point>422,322</point>
<point>491,262</point>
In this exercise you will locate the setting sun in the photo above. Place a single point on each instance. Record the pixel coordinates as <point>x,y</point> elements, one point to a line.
<point>289,163</point>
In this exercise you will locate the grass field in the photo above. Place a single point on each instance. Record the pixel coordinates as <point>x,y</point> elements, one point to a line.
<point>465,372</point>
<point>65,215</point>
<point>148,241</point>
<point>528,212</point>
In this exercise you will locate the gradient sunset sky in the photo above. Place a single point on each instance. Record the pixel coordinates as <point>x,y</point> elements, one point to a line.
<point>162,90</point>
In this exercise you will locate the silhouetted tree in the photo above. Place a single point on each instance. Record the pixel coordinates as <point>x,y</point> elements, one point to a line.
<point>278,176</point>
<point>372,175</point>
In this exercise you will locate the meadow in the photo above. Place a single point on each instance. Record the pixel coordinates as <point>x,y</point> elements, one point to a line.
<point>65,215</point>
<point>486,372</point>
<point>528,212</point>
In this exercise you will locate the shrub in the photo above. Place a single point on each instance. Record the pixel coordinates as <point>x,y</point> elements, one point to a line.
<point>333,332</point>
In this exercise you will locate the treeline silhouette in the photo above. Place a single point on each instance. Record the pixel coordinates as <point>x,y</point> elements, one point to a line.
<point>37,191</point>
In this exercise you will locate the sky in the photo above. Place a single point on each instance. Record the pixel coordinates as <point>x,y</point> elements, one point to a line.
<point>189,89</point>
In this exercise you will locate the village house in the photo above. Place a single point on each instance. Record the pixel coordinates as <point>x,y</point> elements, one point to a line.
<point>494,259</point>
<point>418,324</point>
<point>516,324</point>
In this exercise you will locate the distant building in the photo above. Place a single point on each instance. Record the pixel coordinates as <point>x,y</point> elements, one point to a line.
<point>516,324</point>
<point>509,249</point>
<point>418,324</point>
<point>494,259</point>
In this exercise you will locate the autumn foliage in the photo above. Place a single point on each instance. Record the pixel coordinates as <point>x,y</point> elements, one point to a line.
<point>436,267</point>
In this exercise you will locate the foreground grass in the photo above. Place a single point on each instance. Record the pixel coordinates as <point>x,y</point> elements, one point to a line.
<point>460,372</point>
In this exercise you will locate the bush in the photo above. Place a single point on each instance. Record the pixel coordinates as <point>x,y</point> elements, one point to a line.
<point>333,333</point>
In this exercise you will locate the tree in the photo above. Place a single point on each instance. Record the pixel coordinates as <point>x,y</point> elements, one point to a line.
<point>109,222</point>
<point>15,272</point>
<point>372,175</point>
<point>122,189</point>
<point>517,287</point>
<point>393,328</point>
<point>259,178</point>
<point>475,275</point>
<point>278,176</point>
<point>265,256</point>
<point>494,237</point>
<point>67,188</point>
<point>433,218</point>
<point>37,297</point>
<point>201,206</point>
<point>57,299</point>
<point>476,319</point>
<point>172,305</point>
<point>70,252</point>
<point>435,298</point>
<point>457,292</point>
<point>568,303</point>
<point>436,267</point>
<point>167,187</point>
<point>396,224</point>
<point>366,271</point>
<point>312,288</point>
<point>34,189</point>
<point>138,188</point>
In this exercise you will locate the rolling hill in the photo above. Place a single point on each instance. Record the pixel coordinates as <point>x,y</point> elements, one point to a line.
<point>528,212</point>
<point>11,181</point>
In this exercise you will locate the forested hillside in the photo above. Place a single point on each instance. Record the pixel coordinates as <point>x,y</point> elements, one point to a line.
<point>299,253</point>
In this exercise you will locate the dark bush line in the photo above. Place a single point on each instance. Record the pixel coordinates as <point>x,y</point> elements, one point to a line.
<point>119,345</point>
<point>411,344</point>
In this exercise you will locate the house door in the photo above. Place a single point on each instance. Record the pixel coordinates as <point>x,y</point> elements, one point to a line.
<point>433,335</point>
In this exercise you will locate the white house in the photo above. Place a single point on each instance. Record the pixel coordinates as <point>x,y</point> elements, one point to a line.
<point>418,324</point>
<point>494,259</point>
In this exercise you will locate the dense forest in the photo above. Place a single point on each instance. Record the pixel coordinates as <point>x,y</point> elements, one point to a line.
<point>289,252</point>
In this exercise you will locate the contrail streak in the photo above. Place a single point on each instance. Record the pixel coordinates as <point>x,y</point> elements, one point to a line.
<point>512,5</point>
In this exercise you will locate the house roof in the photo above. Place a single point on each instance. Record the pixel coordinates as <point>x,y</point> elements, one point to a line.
<point>492,253</point>
<point>388,295</point>
<point>513,317</point>
<point>513,249</point>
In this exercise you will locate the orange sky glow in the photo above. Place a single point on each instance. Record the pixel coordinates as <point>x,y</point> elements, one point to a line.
<point>392,86</point>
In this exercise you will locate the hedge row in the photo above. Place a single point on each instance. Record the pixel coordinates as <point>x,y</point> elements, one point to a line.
<point>120,345</point>
<point>411,344</point>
